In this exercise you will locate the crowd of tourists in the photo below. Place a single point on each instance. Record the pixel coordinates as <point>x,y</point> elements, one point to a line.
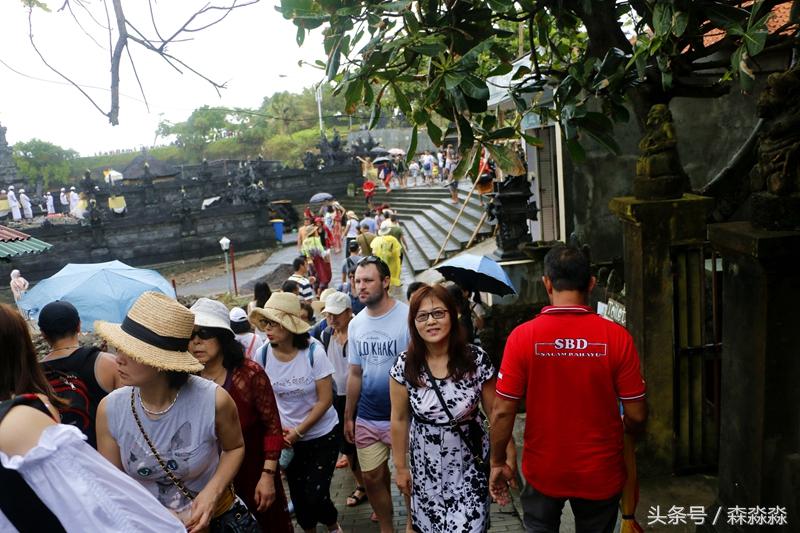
<point>189,419</point>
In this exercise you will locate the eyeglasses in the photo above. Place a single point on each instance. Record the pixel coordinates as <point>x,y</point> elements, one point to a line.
<point>437,314</point>
<point>203,333</point>
<point>265,323</point>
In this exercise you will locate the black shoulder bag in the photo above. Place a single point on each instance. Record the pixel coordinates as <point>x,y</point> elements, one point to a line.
<point>473,439</point>
<point>238,519</point>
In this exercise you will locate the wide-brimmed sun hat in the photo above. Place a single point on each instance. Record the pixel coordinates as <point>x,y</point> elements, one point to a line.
<point>352,214</point>
<point>283,308</point>
<point>210,313</point>
<point>156,332</point>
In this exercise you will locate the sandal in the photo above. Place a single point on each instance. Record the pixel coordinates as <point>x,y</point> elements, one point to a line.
<point>354,498</point>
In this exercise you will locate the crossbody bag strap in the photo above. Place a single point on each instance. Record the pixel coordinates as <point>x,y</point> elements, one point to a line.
<point>455,424</point>
<point>175,481</point>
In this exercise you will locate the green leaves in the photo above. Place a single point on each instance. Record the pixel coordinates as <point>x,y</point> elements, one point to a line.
<point>434,132</point>
<point>506,159</point>
<point>412,147</point>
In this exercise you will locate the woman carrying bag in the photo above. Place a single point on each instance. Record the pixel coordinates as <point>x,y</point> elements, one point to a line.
<point>300,373</point>
<point>258,482</point>
<point>436,388</point>
<point>175,433</point>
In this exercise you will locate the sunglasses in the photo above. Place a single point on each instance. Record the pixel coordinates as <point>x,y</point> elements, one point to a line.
<point>266,323</point>
<point>437,314</point>
<point>370,260</point>
<point>203,333</point>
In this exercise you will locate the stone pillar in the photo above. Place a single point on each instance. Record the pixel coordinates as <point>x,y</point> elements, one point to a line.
<point>650,229</point>
<point>759,460</point>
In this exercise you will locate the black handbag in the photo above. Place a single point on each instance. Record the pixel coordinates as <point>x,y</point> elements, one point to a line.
<point>473,438</point>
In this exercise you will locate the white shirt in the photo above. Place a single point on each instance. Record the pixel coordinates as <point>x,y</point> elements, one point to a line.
<point>25,201</point>
<point>83,490</point>
<point>295,386</point>
<point>12,200</point>
<point>63,198</point>
<point>250,342</point>
<point>341,368</point>
<point>50,207</point>
<point>73,199</point>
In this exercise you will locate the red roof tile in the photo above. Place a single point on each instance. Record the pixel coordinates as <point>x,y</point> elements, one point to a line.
<point>9,235</point>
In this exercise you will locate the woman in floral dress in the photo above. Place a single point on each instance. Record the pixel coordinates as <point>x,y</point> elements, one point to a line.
<point>448,476</point>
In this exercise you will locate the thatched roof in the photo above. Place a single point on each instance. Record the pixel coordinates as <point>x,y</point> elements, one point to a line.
<point>158,169</point>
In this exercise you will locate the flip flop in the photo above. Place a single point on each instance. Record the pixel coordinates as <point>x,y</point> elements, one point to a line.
<point>354,500</point>
<point>342,462</point>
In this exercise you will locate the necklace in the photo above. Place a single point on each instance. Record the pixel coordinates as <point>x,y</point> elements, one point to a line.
<point>158,413</point>
<point>54,350</point>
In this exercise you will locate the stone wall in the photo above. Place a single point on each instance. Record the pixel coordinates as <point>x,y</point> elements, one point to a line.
<point>150,237</point>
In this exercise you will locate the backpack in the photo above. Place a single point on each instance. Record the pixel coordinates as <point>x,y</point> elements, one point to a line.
<point>70,387</point>
<point>261,356</point>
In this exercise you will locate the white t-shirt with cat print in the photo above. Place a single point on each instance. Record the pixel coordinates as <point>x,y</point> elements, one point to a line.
<point>295,386</point>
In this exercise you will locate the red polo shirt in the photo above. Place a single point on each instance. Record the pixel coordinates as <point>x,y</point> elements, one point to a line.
<point>573,367</point>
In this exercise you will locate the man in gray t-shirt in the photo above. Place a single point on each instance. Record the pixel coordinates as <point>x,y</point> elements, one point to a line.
<point>375,337</point>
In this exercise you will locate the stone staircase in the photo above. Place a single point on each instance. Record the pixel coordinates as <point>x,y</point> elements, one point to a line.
<point>426,214</point>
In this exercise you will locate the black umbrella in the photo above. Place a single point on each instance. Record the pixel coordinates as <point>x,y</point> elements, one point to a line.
<point>379,150</point>
<point>379,160</point>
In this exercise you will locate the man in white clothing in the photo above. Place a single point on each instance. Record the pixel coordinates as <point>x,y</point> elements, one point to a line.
<point>51,210</point>
<point>73,202</point>
<point>13,203</point>
<point>25,202</point>
<point>64,201</point>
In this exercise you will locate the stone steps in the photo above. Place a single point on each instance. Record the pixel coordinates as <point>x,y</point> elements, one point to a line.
<point>426,215</point>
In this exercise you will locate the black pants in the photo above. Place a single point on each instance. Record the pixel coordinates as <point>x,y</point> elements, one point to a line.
<point>309,476</point>
<point>347,448</point>
<point>542,514</point>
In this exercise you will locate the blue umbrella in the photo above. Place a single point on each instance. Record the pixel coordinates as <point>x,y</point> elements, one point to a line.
<point>477,273</point>
<point>100,291</point>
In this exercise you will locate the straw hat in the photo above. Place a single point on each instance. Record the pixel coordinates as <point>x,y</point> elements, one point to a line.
<point>283,308</point>
<point>352,214</point>
<point>155,332</point>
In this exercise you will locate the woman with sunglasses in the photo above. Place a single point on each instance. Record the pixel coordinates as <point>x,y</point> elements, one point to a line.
<point>175,433</point>
<point>301,377</point>
<point>436,388</point>
<point>50,478</point>
<point>258,482</point>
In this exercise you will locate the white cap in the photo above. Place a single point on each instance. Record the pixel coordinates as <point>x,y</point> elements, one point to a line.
<point>337,303</point>
<point>63,189</point>
<point>211,314</point>
<point>237,314</point>
<point>22,191</point>
<point>72,188</point>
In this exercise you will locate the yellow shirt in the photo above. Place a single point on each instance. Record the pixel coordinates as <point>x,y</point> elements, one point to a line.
<point>388,249</point>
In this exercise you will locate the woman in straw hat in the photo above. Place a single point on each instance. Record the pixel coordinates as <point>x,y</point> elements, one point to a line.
<point>51,479</point>
<point>300,374</point>
<point>350,229</point>
<point>258,482</point>
<point>176,433</point>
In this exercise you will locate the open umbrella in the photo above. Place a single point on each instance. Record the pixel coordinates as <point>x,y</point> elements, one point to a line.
<point>380,160</point>
<point>477,273</point>
<point>100,291</point>
<point>320,197</point>
<point>397,151</point>
<point>379,150</point>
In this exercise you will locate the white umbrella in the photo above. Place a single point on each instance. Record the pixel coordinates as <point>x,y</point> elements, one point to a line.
<point>397,151</point>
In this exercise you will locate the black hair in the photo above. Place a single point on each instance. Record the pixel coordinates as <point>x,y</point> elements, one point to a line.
<point>301,341</point>
<point>261,293</point>
<point>305,306</point>
<point>380,264</point>
<point>241,327</point>
<point>290,285</point>
<point>298,262</point>
<point>232,350</point>
<point>568,269</point>
<point>413,287</point>
<point>175,379</point>
<point>353,246</point>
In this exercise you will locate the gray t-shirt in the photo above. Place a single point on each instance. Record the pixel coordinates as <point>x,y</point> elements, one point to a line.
<point>373,343</point>
<point>184,437</point>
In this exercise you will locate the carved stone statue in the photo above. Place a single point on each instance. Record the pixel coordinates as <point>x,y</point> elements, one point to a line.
<point>310,161</point>
<point>659,173</point>
<point>775,179</point>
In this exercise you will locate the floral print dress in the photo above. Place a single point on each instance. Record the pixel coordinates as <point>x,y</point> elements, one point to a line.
<point>449,494</point>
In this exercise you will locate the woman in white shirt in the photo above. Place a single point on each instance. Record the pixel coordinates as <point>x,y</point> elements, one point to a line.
<point>301,377</point>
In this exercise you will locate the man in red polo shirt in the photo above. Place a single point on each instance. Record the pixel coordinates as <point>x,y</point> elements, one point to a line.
<point>573,368</point>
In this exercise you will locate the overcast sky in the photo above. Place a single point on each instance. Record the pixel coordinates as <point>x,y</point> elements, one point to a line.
<point>253,50</point>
